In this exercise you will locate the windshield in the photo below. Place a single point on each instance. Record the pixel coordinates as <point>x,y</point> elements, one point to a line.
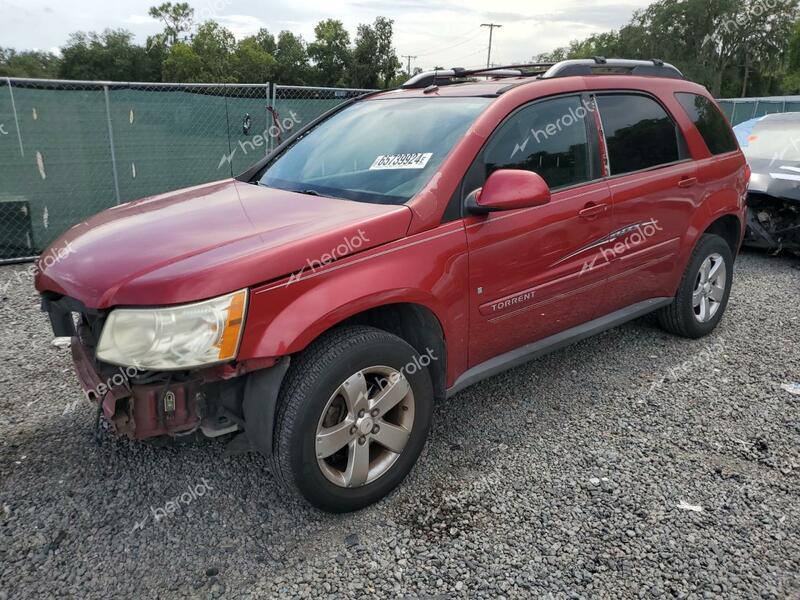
<point>770,140</point>
<point>379,151</point>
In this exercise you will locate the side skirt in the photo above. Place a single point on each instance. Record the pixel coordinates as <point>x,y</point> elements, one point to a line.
<point>526,353</point>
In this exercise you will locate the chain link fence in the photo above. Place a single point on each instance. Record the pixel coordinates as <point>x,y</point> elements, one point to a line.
<point>69,149</point>
<point>739,110</point>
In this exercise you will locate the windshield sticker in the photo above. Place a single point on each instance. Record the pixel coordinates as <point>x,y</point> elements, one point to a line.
<point>416,160</point>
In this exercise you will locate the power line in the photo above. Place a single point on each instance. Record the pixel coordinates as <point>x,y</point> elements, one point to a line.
<point>491,27</point>
<point>409,57</point>
<point>470,37</point>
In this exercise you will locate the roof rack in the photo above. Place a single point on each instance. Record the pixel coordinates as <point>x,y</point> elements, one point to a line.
<point>597,65</point>
<point>600,65</point>
<point>447,76</point>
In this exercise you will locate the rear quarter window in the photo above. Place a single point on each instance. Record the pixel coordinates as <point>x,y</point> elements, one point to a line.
<point>639,133</point>
<point>709,122</point>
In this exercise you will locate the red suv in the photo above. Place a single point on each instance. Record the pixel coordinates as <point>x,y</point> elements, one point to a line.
<point>399,248</point>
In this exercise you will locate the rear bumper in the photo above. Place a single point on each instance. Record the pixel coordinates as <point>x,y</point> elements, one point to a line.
<point>140,411</point>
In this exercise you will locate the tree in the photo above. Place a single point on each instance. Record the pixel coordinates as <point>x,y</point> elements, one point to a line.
<point>110,55</point>
<point>177,18</point>
<point>292,66</point>
<point>209,58</point>
<point>30,63</point>
<point>330,52</point>
<point>791,82</point>
<point>215,45</point>
<point>182,64</point>
<point>388,63</point>
<point>266,40</point>
<point>732,46</point>
<point>252,63</point>
<point>365,69</point>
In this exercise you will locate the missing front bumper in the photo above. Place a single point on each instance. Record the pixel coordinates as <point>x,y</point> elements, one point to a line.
<point>140,410</point>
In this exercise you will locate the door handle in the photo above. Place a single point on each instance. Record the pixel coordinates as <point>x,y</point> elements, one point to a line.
<point>591,210</point>
<point>687,182</point>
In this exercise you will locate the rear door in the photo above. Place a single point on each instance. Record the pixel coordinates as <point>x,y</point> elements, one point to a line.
<point>532,272</point>
<point>655,191</point>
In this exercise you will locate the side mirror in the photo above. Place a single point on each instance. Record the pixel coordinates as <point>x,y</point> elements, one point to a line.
<point>509,189</point>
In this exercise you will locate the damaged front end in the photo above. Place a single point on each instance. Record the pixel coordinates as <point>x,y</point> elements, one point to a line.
<point>773,223</point>
<point>141,404</point>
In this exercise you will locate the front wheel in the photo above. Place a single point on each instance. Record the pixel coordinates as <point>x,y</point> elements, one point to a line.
<point>354,413</point>
<point>703,292</point>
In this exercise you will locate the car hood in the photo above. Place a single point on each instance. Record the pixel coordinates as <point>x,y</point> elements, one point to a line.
<point>780,179</point>
<point>208,240</point>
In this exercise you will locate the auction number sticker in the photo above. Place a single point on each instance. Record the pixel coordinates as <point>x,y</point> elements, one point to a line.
<point>416,160</point>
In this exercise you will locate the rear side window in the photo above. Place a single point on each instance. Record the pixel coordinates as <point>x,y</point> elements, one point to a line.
<point>639,133</point>
<point>548,138</point>
<point>709,122</point>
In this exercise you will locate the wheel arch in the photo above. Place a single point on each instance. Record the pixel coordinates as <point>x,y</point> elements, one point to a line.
<point>729,228</point>
<point>419,326</point>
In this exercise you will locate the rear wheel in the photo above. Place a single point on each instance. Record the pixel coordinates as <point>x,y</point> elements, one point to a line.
<point>704,290</point>
<point>353,417</point>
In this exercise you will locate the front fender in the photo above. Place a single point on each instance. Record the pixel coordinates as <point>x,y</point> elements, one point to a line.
<point>428,269</point>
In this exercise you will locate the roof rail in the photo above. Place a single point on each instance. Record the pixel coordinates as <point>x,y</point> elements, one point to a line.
<point>600,65</point>
<point>446,76</point>
<point>597,65</point>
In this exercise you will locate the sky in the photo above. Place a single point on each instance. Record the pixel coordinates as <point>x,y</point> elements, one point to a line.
<point>442,33</point>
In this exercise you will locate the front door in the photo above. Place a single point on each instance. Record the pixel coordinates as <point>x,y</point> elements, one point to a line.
<point>533,271</point>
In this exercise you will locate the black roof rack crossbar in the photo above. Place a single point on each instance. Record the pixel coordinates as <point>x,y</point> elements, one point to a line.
<point>447,76</point>
<point>598,65</point>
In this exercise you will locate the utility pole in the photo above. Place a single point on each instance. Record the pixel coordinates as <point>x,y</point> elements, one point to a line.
<point>409,57</point>
<point>491,27</point>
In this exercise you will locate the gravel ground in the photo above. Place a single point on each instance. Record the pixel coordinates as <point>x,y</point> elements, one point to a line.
<point>631,465</point>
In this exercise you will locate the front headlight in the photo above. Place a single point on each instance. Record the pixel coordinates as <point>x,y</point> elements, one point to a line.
<point>179,337</point>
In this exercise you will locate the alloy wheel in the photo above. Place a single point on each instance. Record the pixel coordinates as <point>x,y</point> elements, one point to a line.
<point>709,288</point>
<point>365,426</point>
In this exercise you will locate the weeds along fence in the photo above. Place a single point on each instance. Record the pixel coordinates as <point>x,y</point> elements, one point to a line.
<point>69,149</point>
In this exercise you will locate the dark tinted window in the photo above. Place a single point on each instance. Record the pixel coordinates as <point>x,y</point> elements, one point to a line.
<point>639,133</point>
<point>709,122</point>
<point>548,138</point>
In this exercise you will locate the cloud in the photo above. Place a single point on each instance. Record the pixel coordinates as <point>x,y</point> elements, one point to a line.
<point>241,25</point>
<point>392,7</point>
<point>609,16</point>
<point>140,20</point>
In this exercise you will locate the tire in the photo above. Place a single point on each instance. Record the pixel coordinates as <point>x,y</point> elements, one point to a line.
<point>681,317</point>
<point>313,398</point>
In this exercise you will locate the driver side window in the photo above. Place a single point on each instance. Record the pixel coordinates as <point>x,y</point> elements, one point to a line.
<point>548,138</point>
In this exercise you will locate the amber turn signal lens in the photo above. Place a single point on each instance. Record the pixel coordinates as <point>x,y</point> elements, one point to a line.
<point>229,344</point>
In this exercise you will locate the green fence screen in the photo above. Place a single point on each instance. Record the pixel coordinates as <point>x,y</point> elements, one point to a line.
<point>71,149</point>
<point>739,110</point>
